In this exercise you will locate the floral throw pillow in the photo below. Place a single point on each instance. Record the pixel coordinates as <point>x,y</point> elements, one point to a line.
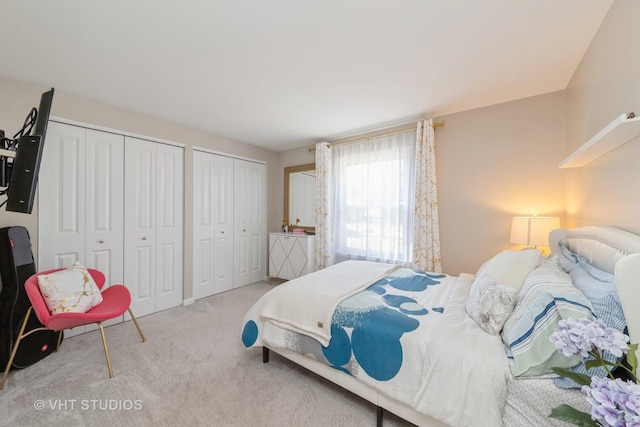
<point>69,290</point>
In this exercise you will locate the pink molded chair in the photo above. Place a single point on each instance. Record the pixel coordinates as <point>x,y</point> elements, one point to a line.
<point>116,299</point>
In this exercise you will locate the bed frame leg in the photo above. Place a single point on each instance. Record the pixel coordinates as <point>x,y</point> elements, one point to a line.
<point>379,415</point>
<point>265,355</point>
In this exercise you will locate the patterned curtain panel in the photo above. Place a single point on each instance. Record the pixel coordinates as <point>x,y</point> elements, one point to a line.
<point>426,228</point>
<point>324,237</point>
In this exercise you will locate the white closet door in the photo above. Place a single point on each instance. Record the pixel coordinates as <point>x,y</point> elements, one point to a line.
<point>105,204</point>
<point>61,198</point>
<point>81,202</point>
<point>169,224</point>
<point>213,224</point>
<point>223,195</point>
<point>203,224</point>
<point>250,222</point>
<point>140,224</point>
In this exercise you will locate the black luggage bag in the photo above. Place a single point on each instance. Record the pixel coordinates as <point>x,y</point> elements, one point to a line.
<point>16,266</point>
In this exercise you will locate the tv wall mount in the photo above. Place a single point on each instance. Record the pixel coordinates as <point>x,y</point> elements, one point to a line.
<point>20,158</point>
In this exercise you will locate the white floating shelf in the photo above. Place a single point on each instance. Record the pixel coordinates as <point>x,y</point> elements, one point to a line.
<point>620,131</point>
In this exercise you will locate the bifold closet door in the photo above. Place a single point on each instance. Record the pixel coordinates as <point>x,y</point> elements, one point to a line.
<point>169,226</point>
<point>250,222</point>
<point>229,223</point>
<point>154,205</point>
<point>81,202</point>
<point>213,224</point>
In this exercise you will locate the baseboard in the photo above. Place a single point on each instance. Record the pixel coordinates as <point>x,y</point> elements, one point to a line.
<point>188,301</point>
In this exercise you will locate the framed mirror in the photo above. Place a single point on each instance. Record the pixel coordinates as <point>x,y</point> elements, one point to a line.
<point>300,196</point>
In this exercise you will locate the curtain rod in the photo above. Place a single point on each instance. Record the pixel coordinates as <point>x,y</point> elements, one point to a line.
<point>366,138</point>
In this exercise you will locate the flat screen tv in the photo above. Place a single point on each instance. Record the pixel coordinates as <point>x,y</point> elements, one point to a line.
<point>20,174</point>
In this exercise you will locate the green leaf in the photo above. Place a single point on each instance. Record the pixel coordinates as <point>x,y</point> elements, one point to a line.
<point>589,364</point>
<point>568,414</point>
<point>632,359</point>
<point>581,379</point>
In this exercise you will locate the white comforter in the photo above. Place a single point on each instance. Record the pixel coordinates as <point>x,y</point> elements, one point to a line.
<point>433,358</point>
<point>466,370</point>
<point>289,305</point>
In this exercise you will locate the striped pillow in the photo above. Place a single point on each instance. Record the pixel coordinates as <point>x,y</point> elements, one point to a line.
<point>547,296</point>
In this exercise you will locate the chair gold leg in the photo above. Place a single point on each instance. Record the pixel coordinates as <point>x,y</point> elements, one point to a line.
<point>15,347</point>
<point>59,339</point>
<point>106,350</point>
<point>135,322</point>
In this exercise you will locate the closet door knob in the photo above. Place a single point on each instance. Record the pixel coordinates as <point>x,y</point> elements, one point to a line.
<point>144,238</point>
<point>100,241</point>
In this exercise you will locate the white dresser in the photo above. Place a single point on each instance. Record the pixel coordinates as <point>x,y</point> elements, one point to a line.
<point>290,255</point>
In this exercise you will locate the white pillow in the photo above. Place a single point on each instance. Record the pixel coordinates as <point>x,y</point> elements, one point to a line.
<point>69,290</point>
<point>510,268</point>
<point>490,304</point>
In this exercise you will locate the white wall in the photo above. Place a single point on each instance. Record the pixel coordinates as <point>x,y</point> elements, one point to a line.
<point>605,85</point>
<point>494,163</point>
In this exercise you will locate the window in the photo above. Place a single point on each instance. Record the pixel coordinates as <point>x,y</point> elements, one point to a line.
<point>373,199</point>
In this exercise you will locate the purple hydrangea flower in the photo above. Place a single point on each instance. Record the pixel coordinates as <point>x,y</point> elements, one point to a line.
<point>579,336</point>
<point>614,402</point>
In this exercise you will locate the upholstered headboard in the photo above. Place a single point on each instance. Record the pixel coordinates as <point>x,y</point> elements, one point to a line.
<point>615,251</point>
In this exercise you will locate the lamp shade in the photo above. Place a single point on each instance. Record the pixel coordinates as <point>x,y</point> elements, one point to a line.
<point>533,230</point>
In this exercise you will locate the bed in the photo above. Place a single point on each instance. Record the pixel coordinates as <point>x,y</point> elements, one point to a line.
<point>411,343</point>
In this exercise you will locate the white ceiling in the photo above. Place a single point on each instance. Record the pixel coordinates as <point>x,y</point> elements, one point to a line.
<point>288,73</point>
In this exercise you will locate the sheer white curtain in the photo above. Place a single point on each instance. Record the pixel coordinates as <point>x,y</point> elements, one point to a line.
<point>426,248</point>
<point>373,199</point>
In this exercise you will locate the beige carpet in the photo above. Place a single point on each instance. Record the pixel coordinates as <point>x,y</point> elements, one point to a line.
<point>193,370</point>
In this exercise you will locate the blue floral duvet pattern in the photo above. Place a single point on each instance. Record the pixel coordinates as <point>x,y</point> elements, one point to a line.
<point>369,325</point>
<point>367,328</point>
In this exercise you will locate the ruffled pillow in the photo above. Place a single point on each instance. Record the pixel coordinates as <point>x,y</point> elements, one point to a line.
<point>490,304</point>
